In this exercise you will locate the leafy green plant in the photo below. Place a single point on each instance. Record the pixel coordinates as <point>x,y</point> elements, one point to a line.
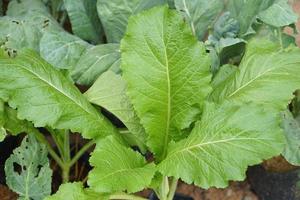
<point>196,111</point>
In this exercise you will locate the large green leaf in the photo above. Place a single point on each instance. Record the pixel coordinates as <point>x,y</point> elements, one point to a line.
<point>33,180</point>
<point>62,49</point>
<point>17,34</point>
<point>292,134</point>
<point>118,168</point>
<point>200,13</point>
<point>221,146</point>
<point>246,11</point>
<point>22,7</point>
<point>114,15</point>
<point>109,92</point>
<point>44,96</point>
<point>267,74</point>
<point>95,61</point>
<point>84,19</point>
<point>74,191</point>
<point>279,14</point>
<point>167,71</point>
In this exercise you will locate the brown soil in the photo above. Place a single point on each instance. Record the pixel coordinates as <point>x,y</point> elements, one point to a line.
<point>7,194</point>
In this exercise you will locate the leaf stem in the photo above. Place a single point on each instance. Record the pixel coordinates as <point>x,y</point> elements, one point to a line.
<point>40,137</point>
<point>173,188</point>
<point>81,152</point>
<point>124,196</point>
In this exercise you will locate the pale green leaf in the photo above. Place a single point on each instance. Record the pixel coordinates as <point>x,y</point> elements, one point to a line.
<point>2,121</point>
<point>17,34</point>
<point>84,19</point>
<point>74,191</point>
<point>279,14</point>
<point>167,71</point>
<point>22,7</point>
<point>200,13</point>
<point>222,145</point>
<point>44,96</point>
<point>292,134</point>
<point>266,75</point>
<point>114,15</point>
<point>94,61</point>
<point>224,73</point>
<point>118,168</point>
<point>33,181</point>
<point>62,49</point>
<point>109,92</point>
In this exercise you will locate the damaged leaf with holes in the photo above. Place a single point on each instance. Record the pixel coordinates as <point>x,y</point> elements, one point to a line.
<point>27,170</point>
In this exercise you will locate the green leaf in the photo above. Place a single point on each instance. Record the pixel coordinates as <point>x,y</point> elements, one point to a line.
<point>74,191</point>
<point>279,14</point>
<point>94,61</point>
<point>292,134</point>
<point>2,121</point>
<point>163,64</point>
<point>114,15</point>
<point>266,75</point>
<point>62,49</point>
<point>44,96</point>
<point>32,180</point>
<point>224,73</point>
<point>109,92</point>
<point>221,146</point>
<point>84,19</point>
<point>200,13</point>
<point>22,7</point>
<point>246,11</point>
<point>17,34</point>
<point>1,9</point>
<point>15,125</point>
<point>118,168</point>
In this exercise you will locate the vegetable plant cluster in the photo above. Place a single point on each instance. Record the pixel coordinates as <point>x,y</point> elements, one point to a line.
<point>202,90</point>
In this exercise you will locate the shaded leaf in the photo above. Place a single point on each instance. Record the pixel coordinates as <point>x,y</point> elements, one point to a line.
<point>44,96</point>
<point>118,168</point>
<point>200,13</point>
<point>222,145</point>
<point>279,14</point>
<point>109,92</point>
<point>32,180</point>
<point>22,7</point>
<point>62,49</point>
<point>114,15</point>
<point>84,19</point>
<point>95,61</point>
<point>292,134</point>
<point>163,64</point>
<point>266,75</point>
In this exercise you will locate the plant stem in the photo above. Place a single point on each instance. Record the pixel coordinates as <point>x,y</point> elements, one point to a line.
<point>40,137</point>
<point>173,188</point>
<point>67,155</point>
<point>81,152</point>
<point>124,196</point>
<point>65,173</point>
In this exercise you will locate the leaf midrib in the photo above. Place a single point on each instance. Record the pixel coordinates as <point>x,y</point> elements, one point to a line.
<point>53,86</point>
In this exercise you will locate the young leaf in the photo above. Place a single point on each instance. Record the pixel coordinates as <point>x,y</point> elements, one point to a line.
<point>114,15</point>
<point>95,61</point>
<point>279,14</point>
<point>200,14</point>
<point>44,96</point>
<point>109,92</point>
<point>167,72</point>
<point>118,168</point>
<point>32,180</point>
<point>62,49</point>
<point>221,146</point>
<point>292,134</point>
<point>84,19</point>
<point>74,191</point>
<point>266,75</point>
